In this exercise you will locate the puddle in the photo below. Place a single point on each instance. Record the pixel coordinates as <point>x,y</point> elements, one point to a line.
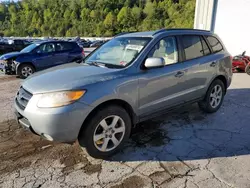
<point>149,134</point>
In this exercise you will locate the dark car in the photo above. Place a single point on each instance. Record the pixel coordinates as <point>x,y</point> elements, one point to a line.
<point>84,44</point>
<point>97,43</point>
<point>13,45</point>
<point>39,56</point>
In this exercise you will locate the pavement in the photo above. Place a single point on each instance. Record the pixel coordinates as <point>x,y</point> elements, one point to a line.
<point>185,148</point>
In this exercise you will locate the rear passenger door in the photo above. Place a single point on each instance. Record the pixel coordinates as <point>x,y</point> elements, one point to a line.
<point>62,52</point>
<point>198,66</point>
<point>75,53</point>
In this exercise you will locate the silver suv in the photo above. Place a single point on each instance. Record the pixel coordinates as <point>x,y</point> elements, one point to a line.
<point>131,78</point>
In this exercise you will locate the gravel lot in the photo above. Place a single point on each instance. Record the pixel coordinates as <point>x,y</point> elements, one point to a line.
<point>185,148</point>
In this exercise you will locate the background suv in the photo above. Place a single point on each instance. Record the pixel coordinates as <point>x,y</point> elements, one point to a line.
<point>39,56</point>
<point>129,79</point>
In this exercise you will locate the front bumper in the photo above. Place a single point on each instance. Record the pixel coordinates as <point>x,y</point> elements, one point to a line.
<point>58,124</point>
<point>7,67</point>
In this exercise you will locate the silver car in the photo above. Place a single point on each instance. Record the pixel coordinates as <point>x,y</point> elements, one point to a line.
<point>129,79</point>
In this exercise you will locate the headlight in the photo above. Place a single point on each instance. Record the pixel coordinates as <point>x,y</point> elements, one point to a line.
<point>3,61</point>
<point>57,99</point>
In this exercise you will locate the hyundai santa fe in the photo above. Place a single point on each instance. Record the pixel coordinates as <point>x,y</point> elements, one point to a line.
<point>129,79</point>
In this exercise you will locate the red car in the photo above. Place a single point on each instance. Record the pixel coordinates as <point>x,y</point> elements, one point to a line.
<point>241,63</point>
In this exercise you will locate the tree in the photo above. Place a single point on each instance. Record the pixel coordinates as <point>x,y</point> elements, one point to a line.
<point>92,17</point>
<point>110,23</point>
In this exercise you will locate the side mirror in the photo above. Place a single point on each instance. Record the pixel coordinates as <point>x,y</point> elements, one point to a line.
<point>154,62</point>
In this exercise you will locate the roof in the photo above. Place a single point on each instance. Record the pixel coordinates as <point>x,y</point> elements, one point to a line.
<point>157,32</point>
<point>46,41</point>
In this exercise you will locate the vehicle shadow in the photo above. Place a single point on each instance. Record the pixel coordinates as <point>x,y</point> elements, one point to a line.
<point>190,134</point>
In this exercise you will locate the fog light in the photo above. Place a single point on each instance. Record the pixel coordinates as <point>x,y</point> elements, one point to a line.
<point>47,137</point>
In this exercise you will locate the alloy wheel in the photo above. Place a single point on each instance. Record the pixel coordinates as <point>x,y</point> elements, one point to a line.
<point>216,96</point>
<point>27,71</point>
<point>109,133</point>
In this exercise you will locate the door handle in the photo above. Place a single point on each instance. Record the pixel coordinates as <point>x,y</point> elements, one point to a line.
<point>179,74</point>
<point>213,64</point>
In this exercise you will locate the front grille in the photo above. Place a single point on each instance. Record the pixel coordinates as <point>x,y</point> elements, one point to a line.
<point>23,98</point>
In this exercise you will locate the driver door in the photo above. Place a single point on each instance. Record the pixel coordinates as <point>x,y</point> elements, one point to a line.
<point>159,88</point>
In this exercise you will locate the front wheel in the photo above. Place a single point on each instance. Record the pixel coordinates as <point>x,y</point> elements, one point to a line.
<point>247,70</point>
<point>214,97</point>
<point>25,70</point>
<point>106,132</point>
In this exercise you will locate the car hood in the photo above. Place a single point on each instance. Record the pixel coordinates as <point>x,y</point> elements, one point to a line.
<point>68,77</point>
<point>11,55</point>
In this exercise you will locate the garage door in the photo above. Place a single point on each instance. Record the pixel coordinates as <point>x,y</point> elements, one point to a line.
<point>232,25</point>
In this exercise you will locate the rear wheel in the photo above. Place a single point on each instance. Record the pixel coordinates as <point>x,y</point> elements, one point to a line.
<point>25,70</point>
<point>214,97</point>
<point>106,132</point>
<point>247,70</point>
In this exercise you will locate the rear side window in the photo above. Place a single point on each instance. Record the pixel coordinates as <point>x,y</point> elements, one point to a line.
<point>215,44</point>
<point>206,50</point>
<point>192,46</point>
<point>64,46</point>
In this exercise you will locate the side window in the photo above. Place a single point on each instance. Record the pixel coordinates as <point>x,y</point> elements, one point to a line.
<point>206,50</point>
<point>215,44</point>
<point>67,46</point>
<point>46,48</point>
<point>26,42</point>
<point>192,46</point>
<point>59,47</point>
<point>167,49</point>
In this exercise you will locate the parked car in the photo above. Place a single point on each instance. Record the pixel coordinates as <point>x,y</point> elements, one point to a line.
<point>97,43</point>
<point>241,63</point>
<point>39,56</point>
<point>129,79</point>
<point>84,43</point>
<point>13,45</point>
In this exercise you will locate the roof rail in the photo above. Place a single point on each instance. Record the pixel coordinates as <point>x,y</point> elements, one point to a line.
<point>173,29</point>
<point>159,31</point>
<point>188,29</point>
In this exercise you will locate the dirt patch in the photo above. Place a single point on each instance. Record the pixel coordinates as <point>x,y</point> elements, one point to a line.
<point>91,169</point>
<point>6,78</point>
<point>73,155</point>
<point>133,181</point>
<point>20,148</point>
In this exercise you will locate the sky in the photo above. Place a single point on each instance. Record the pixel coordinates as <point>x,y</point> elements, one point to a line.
<point>8,0</point>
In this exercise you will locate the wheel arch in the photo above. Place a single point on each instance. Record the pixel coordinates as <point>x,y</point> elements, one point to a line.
<point>25,63</point>
<point>222,78</point>
<point>117,102</point>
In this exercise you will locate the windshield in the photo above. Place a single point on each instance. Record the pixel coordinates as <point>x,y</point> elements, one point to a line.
<point>118,51</point>
<point>30,48</point>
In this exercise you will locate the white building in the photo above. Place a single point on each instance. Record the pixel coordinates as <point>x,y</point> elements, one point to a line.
<point>230,19</point>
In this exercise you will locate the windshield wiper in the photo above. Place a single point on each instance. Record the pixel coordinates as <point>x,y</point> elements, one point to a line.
<point>108,65</point>
<point>95,64</point>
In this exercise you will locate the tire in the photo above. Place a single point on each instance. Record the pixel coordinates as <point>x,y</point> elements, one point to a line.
<point>25,70</point>
<point>247,70</point>
<point>96,148</point>
<point>211,104</point>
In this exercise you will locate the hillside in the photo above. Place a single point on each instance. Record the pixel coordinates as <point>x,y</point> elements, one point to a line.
<point>92,17</point>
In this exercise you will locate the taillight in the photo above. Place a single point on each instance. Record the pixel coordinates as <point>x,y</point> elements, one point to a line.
<point>83,53</point>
